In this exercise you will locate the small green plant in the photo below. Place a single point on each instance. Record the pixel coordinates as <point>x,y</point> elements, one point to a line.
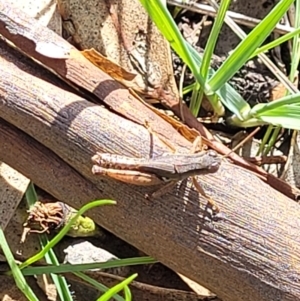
<point>284,112</point>
<point>55,269</point>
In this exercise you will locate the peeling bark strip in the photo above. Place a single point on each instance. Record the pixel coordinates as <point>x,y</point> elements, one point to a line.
<point>251,253</point>
<point>70,64</point>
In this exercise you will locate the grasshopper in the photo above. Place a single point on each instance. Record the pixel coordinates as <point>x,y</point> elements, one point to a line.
<point>168,168</point>
<point>157,170</point>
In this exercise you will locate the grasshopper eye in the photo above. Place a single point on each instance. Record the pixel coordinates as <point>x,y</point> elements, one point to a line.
<point>166,180</point>
<point>215,161</point>
<point>212,153</point>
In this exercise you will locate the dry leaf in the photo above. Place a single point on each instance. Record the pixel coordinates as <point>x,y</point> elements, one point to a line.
<point>112,69</point>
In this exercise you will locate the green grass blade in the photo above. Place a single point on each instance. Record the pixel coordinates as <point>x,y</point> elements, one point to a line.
<point>127,293</point>
<point>284,116</point>
<point>15,270</point>
<point>283,112</point>
<point>245,49</point>
<point>213,37</point>
<point>264,108</point>
<point>96,284</point>
<point>277,42</point>
<point>65,230</point>
<point>196,99</point>
<point>117,288</point>
<point>164,21</point>
<point>296,44</point>
<point>264,140</point>
<point>67,268</point>
<point>272,141</point>
<point>31,195</point>
<point>228,95</point>
<point>197,95</point>
<point>60,282</point>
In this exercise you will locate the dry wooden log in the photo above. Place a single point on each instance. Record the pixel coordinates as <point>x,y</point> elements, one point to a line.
<point>63,59</point>
<point>250,253</point>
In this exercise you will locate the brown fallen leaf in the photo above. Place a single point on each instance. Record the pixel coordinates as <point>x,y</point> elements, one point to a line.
<point>113,69</point>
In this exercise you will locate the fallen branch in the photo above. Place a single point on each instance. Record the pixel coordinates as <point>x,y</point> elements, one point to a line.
<point>251,252</point>
<point>59,56</point>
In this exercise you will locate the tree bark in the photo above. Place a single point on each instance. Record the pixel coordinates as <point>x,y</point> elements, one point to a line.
<point>58,55</point>
<point>251,252</point>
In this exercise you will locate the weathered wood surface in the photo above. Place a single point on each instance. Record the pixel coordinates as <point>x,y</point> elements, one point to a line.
<point>251,253</point>
<point>44,45</point>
